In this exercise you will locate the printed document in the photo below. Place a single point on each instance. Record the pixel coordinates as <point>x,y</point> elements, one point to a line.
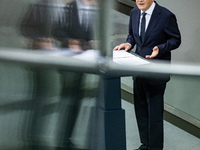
<point>125,58</point>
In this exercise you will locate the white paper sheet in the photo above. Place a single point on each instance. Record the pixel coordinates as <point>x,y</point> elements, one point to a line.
<point>125,58</point>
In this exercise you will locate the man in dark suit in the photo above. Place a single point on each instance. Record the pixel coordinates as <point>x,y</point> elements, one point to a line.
<point>154,31</point>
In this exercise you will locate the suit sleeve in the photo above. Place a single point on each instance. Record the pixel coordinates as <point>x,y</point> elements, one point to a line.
<point>130,38</point>
<point>173,35</point>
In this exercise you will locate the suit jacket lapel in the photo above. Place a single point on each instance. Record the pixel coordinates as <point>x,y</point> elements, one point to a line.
<point>136,22</point>
<point>153,21</point>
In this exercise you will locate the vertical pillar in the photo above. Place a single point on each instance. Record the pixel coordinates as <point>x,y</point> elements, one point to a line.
<point>111,117</point>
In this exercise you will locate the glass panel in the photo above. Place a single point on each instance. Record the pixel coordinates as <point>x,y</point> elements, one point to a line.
<point>51,107</point>
<point>46,108</point>
<point>56,27</point>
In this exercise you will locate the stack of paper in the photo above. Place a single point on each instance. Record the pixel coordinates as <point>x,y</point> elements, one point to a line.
<point>125,58</point>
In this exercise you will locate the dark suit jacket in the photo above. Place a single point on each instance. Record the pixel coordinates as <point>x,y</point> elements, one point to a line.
<point>72,27</point>
<point>162,31</point>
<point>38,21</point>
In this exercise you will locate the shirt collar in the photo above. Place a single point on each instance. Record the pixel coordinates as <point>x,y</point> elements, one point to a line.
<point>150,10</point>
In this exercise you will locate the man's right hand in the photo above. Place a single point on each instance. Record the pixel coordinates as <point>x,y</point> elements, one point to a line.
<point>125,46</point>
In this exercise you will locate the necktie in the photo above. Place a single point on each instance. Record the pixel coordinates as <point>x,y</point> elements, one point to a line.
<point>143,24</point>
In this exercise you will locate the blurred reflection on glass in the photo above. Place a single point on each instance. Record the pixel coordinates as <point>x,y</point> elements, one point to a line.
<point>37,24</point>
<point>76,31</point>
<point>63,24</point>
<point>60,108</point>
<point>46,109</point>
<point>55,25</point>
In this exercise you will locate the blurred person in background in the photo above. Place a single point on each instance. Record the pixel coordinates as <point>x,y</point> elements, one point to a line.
<point>46,22</point>
<point>77,35</point>
<point>37,23</point>
<point>36,27</point>
<point>154,31</point>
<point>76,31</point>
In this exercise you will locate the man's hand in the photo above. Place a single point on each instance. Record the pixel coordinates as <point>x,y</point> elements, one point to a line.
<point>154,53</point>
<point>125,46</point>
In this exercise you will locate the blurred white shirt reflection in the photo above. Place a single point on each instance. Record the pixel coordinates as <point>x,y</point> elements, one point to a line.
<point>86,12</point>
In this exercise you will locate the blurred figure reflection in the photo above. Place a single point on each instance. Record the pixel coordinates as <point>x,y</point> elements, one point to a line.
<point>76,32</point>
<point>37,25</point>
<point>77,36</point>
<point>47,22</point>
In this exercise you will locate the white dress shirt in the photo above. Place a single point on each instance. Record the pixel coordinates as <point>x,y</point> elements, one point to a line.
<point>85,12</point>
<point>148,16</point>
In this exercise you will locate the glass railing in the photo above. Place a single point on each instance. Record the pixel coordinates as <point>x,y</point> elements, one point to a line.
<point>50,78</point>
